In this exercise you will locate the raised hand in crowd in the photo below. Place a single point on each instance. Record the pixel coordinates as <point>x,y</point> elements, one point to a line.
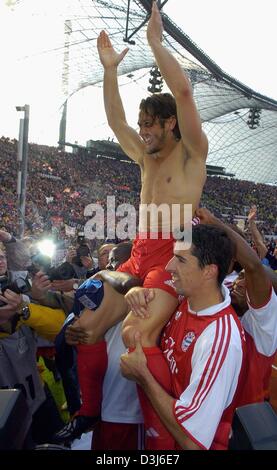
<point>252,213</point>
<point>256,234</point>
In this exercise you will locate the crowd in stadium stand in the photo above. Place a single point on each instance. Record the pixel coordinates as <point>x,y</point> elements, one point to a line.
<point>60,185</point>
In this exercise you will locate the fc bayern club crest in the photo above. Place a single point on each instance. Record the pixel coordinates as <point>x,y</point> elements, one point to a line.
<point>188,339</point>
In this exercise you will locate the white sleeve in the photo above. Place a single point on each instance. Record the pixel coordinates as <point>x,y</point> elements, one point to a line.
<point>216,364</point>
<point>261,324</point>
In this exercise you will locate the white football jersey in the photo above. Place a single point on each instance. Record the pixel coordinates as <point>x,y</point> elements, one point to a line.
<point>120,403</point>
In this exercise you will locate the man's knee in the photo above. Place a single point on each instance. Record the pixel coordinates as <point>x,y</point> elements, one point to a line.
<point>160,310</point>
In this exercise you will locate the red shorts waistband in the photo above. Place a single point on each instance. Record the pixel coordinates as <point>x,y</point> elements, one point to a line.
<point>155,236</point>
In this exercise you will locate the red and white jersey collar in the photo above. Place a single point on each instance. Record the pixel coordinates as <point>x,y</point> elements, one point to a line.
<point>214,308</point>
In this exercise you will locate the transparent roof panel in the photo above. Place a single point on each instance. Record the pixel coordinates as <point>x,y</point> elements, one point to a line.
<point>241,124</point>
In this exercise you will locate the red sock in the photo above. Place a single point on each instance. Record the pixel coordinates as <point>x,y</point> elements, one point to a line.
<point>92,363</point>
<point>157,436</point>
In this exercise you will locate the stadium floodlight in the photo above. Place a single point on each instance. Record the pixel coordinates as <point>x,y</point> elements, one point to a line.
<point>156,80</point>
<point>254,118</point>
<point>20,108</point>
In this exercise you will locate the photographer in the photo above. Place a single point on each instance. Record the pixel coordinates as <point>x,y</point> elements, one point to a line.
<point>10,301</point>
<point>20,320</point>
<point>79,257</point>
<point>48,292</point>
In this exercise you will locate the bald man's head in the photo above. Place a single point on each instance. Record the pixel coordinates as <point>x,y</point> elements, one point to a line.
<point>103,254</point>
<point>119,254</point>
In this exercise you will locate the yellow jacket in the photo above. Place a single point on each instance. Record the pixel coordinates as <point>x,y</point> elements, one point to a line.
<point>45,321</point>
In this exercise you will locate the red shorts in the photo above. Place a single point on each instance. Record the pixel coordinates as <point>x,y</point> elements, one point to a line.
<point>148,260</point>
<point>117,436</point>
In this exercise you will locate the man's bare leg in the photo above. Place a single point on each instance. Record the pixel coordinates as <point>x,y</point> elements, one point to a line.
<point>112,309</point>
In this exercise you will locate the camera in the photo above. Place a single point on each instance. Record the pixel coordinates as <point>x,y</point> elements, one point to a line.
<point>60,273</point>
<point>63,272</point>
<point>82,250</point>
<point>20,286</point>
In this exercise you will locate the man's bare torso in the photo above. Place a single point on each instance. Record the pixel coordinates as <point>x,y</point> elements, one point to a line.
<point>174,179</point>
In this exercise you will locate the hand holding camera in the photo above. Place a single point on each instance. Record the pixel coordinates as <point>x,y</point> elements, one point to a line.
<point>81,252</point>
<point>10,304</point>
<point>19,285</point>
<point>87,262</point>
<point>40,285</point>
<point>66,285</point>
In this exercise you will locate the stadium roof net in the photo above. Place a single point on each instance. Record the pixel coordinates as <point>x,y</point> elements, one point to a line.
<point>241,124</point>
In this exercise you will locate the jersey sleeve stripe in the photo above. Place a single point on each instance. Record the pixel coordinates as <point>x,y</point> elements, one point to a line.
<point>211,371</point>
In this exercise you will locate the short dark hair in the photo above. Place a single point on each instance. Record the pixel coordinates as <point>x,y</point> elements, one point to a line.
<point>211,245</point>
<point>161,106</point>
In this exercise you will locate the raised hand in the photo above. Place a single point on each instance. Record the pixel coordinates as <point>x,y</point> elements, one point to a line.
<point>205,216</point>
<point>252,213</point>
<point>108,56</point>
<point>155,25</point>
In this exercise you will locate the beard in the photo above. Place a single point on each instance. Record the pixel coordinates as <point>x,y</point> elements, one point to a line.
<point>158,145</point>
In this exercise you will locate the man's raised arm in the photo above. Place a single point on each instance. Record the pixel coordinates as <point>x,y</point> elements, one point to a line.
<point>256,235</point>
<point>127,137</point>
<point>257,281</point>
<point>189,121</point>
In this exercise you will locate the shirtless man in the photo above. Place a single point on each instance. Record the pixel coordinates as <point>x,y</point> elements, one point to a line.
<point>171,150</point>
